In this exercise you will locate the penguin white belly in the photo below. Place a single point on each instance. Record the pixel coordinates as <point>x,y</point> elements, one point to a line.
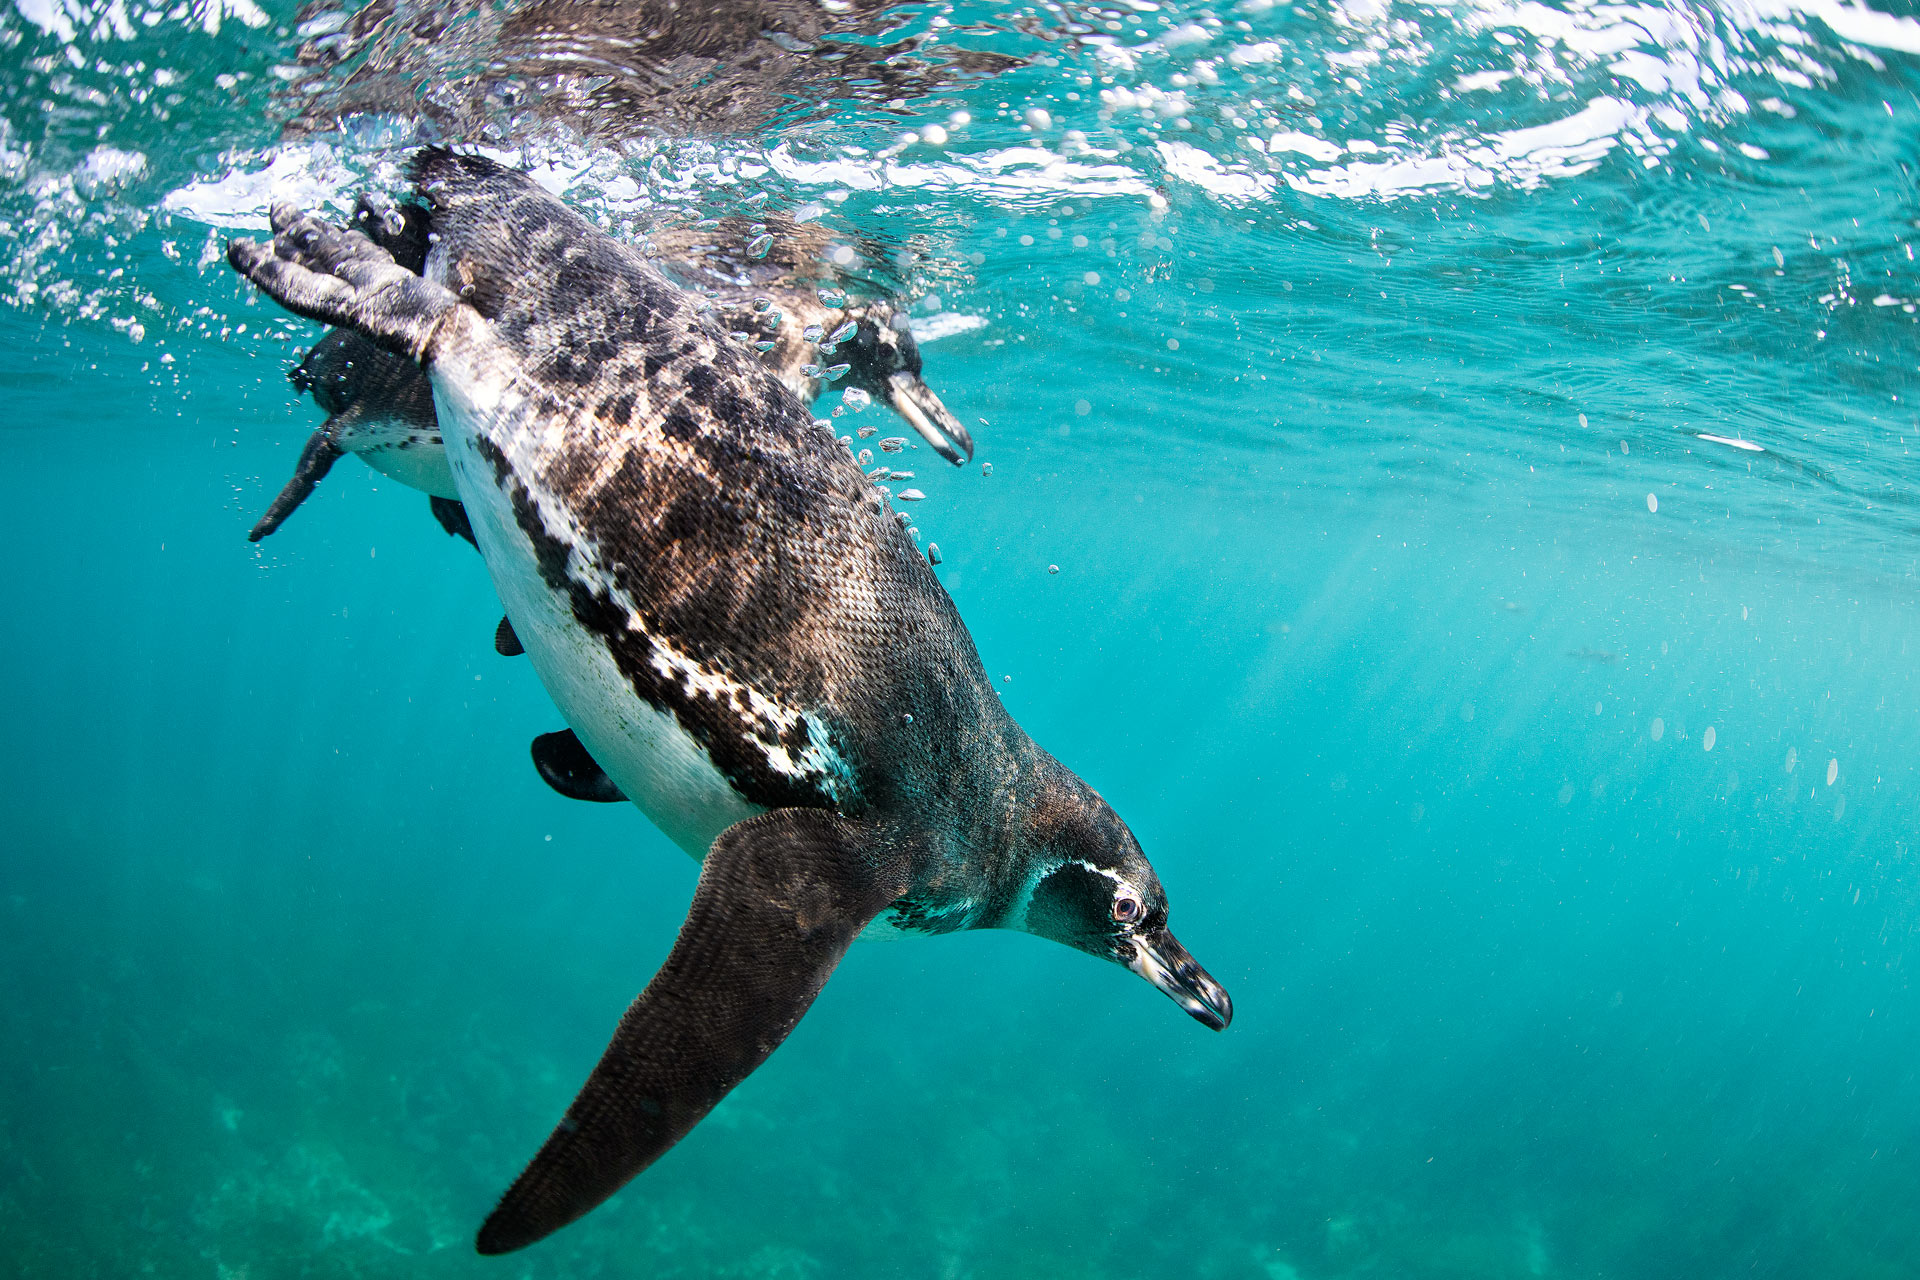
<point>401,451</point>
<point>659,766</point>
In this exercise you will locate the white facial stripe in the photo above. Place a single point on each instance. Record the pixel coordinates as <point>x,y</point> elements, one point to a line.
<point>1120,882</point>
<point>1017,917</point>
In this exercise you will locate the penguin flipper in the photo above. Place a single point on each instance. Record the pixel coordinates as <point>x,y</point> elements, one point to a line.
<point>780,899</point>
<point>315,461</point>
<point>566,766</point>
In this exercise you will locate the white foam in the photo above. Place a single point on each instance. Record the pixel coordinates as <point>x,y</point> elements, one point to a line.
<point>1008,171</point>
<point>308,175</point>
<point>1192,165</point>
<point>944,325</point>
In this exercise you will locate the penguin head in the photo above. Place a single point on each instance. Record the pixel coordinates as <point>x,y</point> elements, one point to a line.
<point>337,370</point>
<point>358,382</point>
<point>884,361</point>
<point>1092,888</point>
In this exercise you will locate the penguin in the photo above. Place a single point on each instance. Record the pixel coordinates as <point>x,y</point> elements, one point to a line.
<point>617,73</point>
<point>381,406</point>
<point>378,407</point>
<point>741,634</point>
<point>773,283</point>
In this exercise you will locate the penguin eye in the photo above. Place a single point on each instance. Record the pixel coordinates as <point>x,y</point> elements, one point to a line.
<point>1126,908</point>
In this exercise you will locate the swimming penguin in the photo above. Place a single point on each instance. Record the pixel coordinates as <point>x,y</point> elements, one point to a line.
<point>378,407</point>
<point>381,405</point>
<point>774,285</point>
<point>741,634</point>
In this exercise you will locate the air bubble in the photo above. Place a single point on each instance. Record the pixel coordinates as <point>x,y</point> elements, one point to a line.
<point>1708,738</point>
<point>893,444</point>
<point>759,246</point>
<point>911,495</point>
<point>1833,770</point>
<point>855,399</point>
<point>1658,729</point>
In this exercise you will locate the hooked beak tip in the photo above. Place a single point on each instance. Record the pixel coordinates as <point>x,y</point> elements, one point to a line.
<point>1219,1016</point>
<point>1166,964</point>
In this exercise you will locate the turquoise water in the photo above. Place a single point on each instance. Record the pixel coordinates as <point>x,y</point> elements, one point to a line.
<point>1538,774</point>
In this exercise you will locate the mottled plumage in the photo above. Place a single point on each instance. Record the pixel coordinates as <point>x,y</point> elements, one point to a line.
<point>381,404</point>
<point>767,279</point>
<point>612,71</point>
<point>740,633</point>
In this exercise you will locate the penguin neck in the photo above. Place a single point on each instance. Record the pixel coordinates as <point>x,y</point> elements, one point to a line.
<point>1038,787</point>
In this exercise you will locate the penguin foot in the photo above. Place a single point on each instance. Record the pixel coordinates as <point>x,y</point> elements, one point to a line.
<point>453,518</point>
<point>342,278</point>
<point>565,766</point>
<point>505,643</point>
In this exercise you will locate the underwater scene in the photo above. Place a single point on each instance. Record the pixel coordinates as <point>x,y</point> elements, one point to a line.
<point>1441,470</point>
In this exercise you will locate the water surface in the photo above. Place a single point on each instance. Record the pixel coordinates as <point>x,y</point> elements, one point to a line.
<point>1474,442</point>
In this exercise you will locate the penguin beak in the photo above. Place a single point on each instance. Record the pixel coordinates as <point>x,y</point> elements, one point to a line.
<point>914,400</point>
<point>1160,959</point>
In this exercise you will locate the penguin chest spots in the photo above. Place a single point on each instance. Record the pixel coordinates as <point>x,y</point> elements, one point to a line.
<point>411,452</point>
<point>696,747</point>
